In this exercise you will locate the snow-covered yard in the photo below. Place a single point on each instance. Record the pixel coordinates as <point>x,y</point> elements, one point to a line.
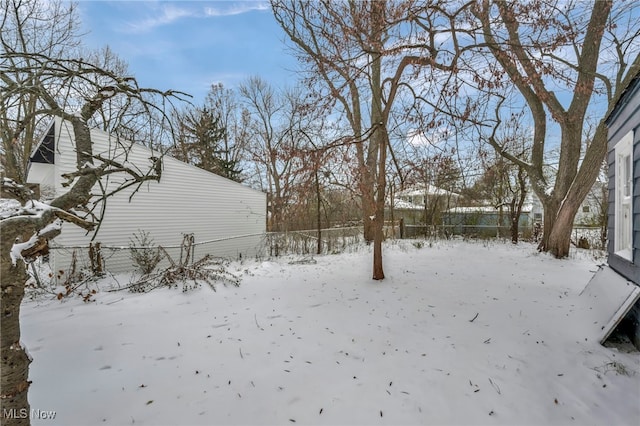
<point>459,333</point>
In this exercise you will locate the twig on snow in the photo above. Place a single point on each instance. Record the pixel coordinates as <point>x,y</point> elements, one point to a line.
<point>495,386</point>
<point>255,317</point>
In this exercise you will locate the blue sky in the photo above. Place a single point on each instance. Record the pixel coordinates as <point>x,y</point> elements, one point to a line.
<point>188,45</point>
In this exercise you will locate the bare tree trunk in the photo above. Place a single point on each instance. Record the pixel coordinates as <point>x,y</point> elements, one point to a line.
<point>560,213</point>
<point>378,271</point>
<point>559,240</point>
<point>379,137</point>
<point>548,221</point>
<point>318,206</point>
<point>517,203</point>
<point>367,190</point>
<point>603,216</point>
<point>14,359</point>
<point>368,217</point>
<point>514,229</point>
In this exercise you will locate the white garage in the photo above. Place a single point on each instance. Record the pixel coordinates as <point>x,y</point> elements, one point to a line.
<point>226,218</point>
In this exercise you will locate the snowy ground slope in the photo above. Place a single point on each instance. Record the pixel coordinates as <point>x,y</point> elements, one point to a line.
<point>323,344</point>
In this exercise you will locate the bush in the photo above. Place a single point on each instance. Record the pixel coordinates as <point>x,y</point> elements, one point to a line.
<point>144,253</point>
<point>187,272</point>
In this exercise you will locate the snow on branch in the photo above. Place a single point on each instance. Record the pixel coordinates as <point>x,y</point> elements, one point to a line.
<point>12,189</point>
<point>37,245</point>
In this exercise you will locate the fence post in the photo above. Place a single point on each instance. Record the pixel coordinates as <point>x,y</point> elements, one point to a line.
<point>96,258</point>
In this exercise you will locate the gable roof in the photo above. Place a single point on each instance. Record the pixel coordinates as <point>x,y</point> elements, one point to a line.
<point>421,190</point>
<point>45,150</point>
<point>633,86</point>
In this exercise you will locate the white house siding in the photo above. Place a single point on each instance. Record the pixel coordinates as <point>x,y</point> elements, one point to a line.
<point>187,200</point>
<point>45,175</point>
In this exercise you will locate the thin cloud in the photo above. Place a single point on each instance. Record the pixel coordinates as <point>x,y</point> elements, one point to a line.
<point>236,8</point>
<point>168,15</point>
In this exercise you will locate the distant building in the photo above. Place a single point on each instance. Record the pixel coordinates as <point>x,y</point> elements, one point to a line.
<point>491,220</point>
<point>423,204</point>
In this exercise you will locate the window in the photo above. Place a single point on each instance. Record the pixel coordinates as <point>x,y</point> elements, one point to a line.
<point>623,194</point>
<point>585,209</point>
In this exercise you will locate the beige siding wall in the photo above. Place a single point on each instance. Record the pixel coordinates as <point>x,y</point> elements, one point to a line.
<point>186,200</point>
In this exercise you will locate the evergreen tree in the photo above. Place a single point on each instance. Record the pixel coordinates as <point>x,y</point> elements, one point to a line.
<point>201,134</point>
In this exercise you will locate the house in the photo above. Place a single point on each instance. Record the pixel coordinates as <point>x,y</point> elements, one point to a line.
<point>622,275</point>
<point>422,204</point>
<point>587,215</point>
<point>624,183</point>
<point>228,218</point>
<point>592,208</point>
<point>485,220</point>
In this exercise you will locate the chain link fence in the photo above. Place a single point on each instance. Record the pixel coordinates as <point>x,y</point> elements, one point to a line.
<point>312,241</point>
<point>99,258</point>
<point>466,231</point>
<point>587,237</point>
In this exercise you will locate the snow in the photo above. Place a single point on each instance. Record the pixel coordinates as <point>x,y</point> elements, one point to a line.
<point>402,204</point>
<point>34,208</point>
<point>458,333</point>
<point>422,190</point>
<point>18,248</point>
<point>526,208</point>
<point>9,207</point>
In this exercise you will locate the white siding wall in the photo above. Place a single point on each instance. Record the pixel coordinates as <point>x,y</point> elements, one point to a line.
<point>43,174</point>
<point>186,200</point>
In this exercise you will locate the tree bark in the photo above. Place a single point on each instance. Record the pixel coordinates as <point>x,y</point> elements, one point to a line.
<point>318,206</point>
<point>378,270</point>
<point>379,137</point>
<point>517,203</point>
<point>14,360</point>
<point>559,240</point>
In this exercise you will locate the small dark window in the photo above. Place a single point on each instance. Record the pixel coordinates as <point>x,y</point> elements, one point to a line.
<point>585,209</point>
<point>47,148</point>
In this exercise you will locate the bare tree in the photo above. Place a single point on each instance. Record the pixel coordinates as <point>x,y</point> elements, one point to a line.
<point>76,91</point>
<point>39,28</point>
<point>437,175</point>
<point>275,146</point>
<point>115,116</point>
<point>359,56</point>
<point>583,49</point>
<point>236,136</point>
<point>506,182</point>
